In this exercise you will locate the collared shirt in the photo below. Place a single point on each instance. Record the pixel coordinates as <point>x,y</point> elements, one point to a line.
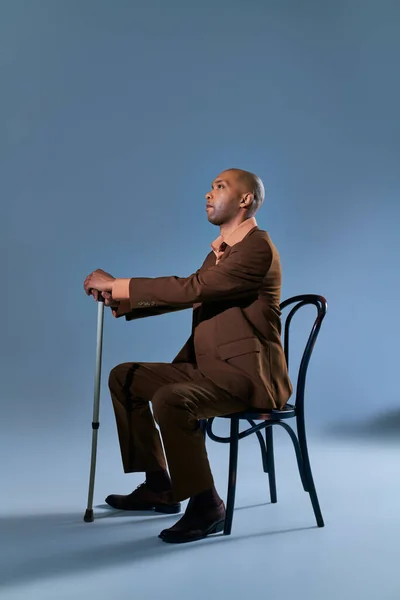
<point>234,237</point>
<point>120,287</point>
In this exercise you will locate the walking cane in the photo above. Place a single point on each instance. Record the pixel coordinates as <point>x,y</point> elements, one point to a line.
<point>89,517</point>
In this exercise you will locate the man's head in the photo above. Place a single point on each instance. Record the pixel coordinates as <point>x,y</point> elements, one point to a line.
<point>235,196</point>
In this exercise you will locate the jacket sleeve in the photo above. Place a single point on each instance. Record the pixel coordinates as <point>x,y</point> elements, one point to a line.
<point>239,274</point>
<point>132,313</point>
<point>142,313</point>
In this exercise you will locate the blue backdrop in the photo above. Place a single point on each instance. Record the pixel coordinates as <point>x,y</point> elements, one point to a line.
<point>116,116</point>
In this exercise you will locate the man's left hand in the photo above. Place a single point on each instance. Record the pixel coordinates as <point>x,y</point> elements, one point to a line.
<point>98,280</point>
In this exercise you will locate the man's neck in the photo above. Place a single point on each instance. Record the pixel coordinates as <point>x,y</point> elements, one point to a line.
<point>235,234</point>
<point>226,229</point>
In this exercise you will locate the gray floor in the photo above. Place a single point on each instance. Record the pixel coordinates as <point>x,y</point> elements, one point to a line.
<point>47,552</point>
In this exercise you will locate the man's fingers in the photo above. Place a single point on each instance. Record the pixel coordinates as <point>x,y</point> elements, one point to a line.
<point>86,286</point>
<point>107,298</point>
<point>90,290</point>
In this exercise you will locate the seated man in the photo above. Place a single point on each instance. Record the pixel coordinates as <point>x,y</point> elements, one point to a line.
<point>232,361</point>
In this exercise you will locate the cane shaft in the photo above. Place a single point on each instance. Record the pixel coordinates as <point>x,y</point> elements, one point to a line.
<point>92,469</point>
<point>99,352</point>
<point>96,407</point>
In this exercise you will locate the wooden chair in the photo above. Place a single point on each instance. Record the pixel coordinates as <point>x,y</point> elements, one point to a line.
<point>269,419</point>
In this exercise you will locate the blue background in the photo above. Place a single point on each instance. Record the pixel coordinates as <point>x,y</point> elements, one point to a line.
<point>115,116</point>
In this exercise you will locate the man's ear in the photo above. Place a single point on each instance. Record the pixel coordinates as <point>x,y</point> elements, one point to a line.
<point>247,200</point>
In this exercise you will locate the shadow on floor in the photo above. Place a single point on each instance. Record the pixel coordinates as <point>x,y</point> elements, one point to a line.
<point>111,512</point>
<point>383,427</point>
<point>36,547</point>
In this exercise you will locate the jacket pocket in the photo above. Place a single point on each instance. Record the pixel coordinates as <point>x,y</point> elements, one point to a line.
<point>238,347</point>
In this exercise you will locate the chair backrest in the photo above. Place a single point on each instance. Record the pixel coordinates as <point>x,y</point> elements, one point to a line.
<point>298,302</point>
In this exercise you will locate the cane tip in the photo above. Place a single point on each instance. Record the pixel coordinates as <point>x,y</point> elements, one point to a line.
<point>89,517</point>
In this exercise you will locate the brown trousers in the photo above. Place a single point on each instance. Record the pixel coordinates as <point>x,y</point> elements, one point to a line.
<point>180,396</point>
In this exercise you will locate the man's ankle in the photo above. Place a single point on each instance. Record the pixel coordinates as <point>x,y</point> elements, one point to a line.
<point>206,500</point>
<point>158,481</point>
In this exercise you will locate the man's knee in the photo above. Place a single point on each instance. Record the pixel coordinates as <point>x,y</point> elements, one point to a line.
<point>120,375</point>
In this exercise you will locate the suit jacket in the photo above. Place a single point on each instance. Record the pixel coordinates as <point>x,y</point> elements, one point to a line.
<point>236,328</point>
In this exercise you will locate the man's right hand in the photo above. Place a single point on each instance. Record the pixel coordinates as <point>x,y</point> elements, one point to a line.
<point>108,299</point>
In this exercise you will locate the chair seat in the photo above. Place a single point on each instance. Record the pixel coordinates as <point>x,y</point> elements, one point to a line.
<point>287,412</point>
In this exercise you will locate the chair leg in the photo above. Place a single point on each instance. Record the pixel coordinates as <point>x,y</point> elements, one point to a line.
<point>269,441</point>
<point>233,460</point>
<point>263,449</point>
<point>297,450</point>
<point>308,474</point>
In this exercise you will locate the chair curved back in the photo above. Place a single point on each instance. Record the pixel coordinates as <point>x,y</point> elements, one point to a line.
<point>298,302</point>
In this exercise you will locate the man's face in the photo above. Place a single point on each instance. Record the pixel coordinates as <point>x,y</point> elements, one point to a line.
<point>223,201</point>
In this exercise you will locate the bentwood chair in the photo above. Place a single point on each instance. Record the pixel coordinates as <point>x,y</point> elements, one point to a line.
<point>276,417</point>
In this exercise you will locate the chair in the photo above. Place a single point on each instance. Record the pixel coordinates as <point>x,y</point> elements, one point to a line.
<point>276,417</point>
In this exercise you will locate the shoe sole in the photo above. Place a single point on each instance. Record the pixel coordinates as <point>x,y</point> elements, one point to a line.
<point>214,528</point>
<point>167,509</point>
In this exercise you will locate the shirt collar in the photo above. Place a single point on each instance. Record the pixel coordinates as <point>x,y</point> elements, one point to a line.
<point>235,236</point>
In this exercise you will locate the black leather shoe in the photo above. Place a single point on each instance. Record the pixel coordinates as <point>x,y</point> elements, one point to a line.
<point>143,498</point>
<point>195,525</point>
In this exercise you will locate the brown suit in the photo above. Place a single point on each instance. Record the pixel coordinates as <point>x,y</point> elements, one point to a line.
<point>232,360</point>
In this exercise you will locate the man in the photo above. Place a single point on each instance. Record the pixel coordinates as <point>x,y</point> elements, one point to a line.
<point>233,359</point>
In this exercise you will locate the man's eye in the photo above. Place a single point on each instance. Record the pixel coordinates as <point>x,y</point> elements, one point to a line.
<point>220,185</point>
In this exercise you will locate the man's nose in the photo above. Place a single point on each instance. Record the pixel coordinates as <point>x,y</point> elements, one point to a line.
<point>208,196</point>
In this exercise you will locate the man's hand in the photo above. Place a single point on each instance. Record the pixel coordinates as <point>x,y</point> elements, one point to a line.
<point>108,300</point>
<point>98,281</point>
